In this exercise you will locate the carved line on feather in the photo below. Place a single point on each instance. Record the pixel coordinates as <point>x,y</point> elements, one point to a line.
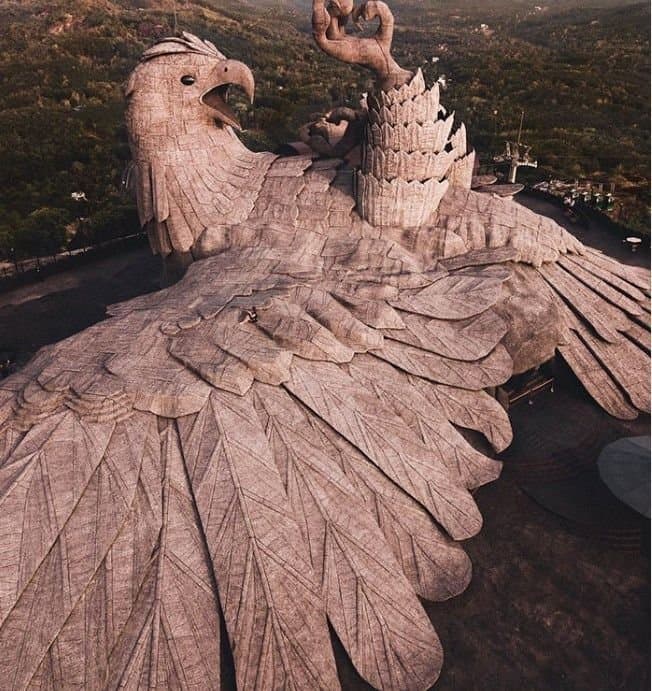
<point>363,420</point>
<point>595,379</point>
<point>369,602</point>
<point>602,316</point>
<point>271,604</point>
<point>55,609</point>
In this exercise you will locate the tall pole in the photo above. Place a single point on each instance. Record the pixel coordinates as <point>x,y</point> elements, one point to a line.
<point>513,169</point>
<point>520,128</point>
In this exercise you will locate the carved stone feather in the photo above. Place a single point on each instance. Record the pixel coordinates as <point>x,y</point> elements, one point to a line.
<point>270,447</point>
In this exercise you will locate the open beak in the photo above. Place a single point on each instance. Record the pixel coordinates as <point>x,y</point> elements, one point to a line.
<point>228,73</point>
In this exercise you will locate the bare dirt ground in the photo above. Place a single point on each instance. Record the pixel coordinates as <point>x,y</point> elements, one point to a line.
<point>560,598</point>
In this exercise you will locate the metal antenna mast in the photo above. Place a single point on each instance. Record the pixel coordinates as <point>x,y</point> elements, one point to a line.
<point>517,154</point>
<point>520,127</point>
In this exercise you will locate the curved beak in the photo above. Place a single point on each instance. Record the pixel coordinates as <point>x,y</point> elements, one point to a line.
<point>226,74</point>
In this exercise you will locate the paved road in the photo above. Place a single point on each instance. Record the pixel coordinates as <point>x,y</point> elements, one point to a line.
<point>65,303</point>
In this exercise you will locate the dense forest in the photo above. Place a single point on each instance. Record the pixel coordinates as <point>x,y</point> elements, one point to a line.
<point>580,73</point>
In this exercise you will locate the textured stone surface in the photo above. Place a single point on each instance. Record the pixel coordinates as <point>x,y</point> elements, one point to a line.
<point>271,444</point>
<point>329,20</point>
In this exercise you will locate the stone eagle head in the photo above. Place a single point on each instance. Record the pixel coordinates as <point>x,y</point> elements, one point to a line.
<point>192,173</point>
<point>182,83</point>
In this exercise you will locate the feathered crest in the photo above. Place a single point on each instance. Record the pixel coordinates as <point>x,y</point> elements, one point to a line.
<point>186,43</point>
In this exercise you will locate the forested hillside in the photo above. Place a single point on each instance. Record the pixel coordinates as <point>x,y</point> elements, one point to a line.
<point>581,74</point>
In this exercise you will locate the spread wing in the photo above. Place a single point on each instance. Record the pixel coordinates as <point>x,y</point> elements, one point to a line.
<point>605,308</point>
<point>266,450</point>
<point>602,306</point>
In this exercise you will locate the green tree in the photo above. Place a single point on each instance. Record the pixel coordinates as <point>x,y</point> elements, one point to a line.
<point>42,233</point>
<point>7,241</point>
<point>113,222</point>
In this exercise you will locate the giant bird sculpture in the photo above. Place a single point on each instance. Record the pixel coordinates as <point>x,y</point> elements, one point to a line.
<point>272,445</point>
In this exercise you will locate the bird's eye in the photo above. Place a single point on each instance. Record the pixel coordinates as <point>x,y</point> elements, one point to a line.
<point>187,80</point>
